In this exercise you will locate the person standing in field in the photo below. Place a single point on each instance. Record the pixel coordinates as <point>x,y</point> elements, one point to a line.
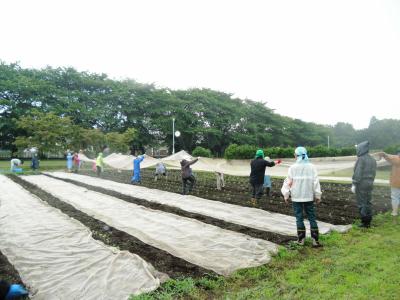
<point>220,180</point>
<point>136,169</point>
<point>35,159</point>
<point>161,170</point>
<point>363,182</point>
<point>188,179</point>
<point>99,164</point>
<point>394,160</point>
<point>302,184</point>
<point>258,166</point>
<point>69,161</point>
<point>76,162</point>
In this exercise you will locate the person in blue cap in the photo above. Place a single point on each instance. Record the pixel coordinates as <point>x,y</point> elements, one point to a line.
<point>11,291</point>
<point>302,185</point>
<point>136,169</point>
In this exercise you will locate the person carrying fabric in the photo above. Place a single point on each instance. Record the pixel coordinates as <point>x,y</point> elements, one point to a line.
<point>99,164</point>
<point>394,160</point>
<point>69,161</point>
<point>302,184</point>
<point>258,166</point>
<point>188,180</point>
<point>136,169</point>
<point>363,182</point>
<point>161,170</point>
<point>15,164</point>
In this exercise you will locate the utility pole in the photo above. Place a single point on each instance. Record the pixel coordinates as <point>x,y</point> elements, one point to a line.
<point>173,135</point>
<point>328,141</point>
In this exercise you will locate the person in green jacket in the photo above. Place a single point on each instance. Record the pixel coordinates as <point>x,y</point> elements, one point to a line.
<point>99,164</point>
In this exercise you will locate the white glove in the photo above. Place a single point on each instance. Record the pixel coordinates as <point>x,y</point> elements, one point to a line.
<point>353,189</point>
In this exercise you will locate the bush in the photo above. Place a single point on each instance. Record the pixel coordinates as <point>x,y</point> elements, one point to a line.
<point>200,151</point>
<point>392,149</point>
<point>235,151</point>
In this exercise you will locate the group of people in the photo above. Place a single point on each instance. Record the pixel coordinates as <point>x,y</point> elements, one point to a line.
<point>301,185</point>
<point>16,163</point>
<point>73,162</point>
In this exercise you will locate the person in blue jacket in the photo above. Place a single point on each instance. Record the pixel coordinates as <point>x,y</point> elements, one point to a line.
<point>69,161</point>
<point>136,169</point>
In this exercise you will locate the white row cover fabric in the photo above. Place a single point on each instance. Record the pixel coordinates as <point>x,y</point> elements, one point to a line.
<point>208,246</point>
<point>57,257</point>
<point>246,216</point>
<point>236,167</point>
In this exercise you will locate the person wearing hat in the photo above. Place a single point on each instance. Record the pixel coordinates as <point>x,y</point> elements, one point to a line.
<point>394,160</point>
<point>363,182</point>
<point>302,184</point>
<point>258,165</point>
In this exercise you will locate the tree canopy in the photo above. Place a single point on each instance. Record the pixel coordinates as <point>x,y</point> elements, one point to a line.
<point>95,103</point>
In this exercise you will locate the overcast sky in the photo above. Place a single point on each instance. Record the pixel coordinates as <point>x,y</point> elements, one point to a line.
<point>319,61</point>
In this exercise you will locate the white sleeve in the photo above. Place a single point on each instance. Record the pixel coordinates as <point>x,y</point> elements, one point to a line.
<point>285,190</point>
<point>316,185</point>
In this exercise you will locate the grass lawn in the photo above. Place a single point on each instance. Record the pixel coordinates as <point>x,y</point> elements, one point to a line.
<point>45,165</point>
<point>361,264</point>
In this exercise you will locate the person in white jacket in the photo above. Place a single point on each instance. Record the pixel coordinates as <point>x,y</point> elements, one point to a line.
<point>302,184</point>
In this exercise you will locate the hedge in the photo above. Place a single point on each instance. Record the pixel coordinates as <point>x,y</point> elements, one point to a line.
<point>200,151</point>
<point>235,151</point>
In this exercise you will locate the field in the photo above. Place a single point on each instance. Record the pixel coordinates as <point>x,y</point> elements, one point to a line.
<point>361,259</point>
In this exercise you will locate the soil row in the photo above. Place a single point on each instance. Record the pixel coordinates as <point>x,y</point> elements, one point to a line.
<point>338,205</point>
<point>164,262</point>
<point>266,235</point>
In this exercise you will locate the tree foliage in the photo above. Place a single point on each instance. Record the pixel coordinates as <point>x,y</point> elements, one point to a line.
<point>207,118</point>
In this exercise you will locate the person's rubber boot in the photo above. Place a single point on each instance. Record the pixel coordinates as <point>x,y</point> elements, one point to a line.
<point>301,236</point>
<point>365,222</point>
<point>267,191</point>
<point>395,209</point>
<point>315,238</point>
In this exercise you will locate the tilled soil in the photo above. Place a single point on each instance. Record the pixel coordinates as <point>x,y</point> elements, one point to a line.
<point>338,204</point>
<point>270,236</point>
<point>164,262</point>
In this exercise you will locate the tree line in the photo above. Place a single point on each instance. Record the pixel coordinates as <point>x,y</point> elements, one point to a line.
<point>141,115</point>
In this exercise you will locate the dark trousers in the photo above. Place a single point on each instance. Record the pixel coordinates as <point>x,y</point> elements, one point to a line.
<point>307,207</point>
<point>98,170</point>
<point>364,196</point>
<point>257,190</point>
<point>188,182</point>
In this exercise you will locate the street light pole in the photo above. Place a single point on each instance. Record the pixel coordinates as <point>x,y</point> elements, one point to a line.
<point>173,135</point>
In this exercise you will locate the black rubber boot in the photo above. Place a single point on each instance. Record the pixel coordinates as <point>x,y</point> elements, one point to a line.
<point>301,236</point>
<point>315,238</point>
<point>365,222</point>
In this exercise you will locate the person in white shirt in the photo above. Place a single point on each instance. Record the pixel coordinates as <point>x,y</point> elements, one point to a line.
<point>15,163</point>
<point>302,184</point>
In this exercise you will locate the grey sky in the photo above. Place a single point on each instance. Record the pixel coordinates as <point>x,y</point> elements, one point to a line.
<point>319,61</point>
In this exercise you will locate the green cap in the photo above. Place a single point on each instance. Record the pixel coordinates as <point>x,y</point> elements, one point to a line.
<point>260,153</point>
